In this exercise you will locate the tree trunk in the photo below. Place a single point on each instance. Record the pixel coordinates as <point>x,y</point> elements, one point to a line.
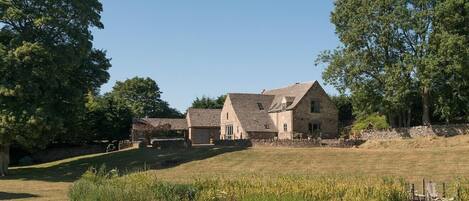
<point>399,120</point>
<point>391,120</point>
<point>4,159</point>
<point>409,117</point>
<point>426,106</point>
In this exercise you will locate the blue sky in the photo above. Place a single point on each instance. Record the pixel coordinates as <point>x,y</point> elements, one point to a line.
<point>212,47</point>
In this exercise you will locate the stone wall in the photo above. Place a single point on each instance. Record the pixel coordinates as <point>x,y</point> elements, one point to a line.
<point>261,135</point>
<point>171,144</point>
<point>300,143</point>
<point>418,131</point>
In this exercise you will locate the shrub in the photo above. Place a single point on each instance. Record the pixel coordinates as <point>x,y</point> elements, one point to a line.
<point>376,121</point>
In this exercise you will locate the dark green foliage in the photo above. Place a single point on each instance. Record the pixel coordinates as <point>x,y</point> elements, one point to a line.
<point>107,119</point>
<point>450,89</point>
<point>48,65</point>
<point>344,105</point>
<point>402,58</point>
<point>143,97</point>
<point>103,119</point>
<point>169,112</point>
<point>109,116</point>
<point>209,103</point>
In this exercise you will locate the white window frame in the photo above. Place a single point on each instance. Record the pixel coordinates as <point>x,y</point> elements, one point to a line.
<point>229,132</point>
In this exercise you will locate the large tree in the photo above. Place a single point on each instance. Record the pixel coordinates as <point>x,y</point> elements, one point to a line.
<point>396,53</point>
<point>143,96</point>
<point>48,65</point>
<point>450,51</point>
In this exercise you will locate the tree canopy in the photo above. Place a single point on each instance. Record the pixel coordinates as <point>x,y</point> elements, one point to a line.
<point>48,66</point>
<point>143,97</point>
<point>108,119</point>
<point>209,103</point>
<point>345,108</point>
<point>402,58</point>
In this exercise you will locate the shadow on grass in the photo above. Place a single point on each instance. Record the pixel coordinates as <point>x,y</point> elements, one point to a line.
<point>125,161</point>
<point>12,196</point>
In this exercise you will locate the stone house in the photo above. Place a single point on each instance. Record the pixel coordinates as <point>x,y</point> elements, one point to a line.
<point>298,111</point>
<point>201,126</point>
<point>301,110</point>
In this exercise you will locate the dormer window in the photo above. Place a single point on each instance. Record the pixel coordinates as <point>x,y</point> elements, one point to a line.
<point>260,106</point>
<point>287,101</point>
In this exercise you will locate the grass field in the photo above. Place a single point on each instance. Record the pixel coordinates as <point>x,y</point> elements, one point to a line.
<point>436,159</point>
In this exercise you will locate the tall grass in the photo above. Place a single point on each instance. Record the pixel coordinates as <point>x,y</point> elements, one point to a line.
<point>460,189</point>
<point>103,186</point>
<point>304,188</point>
<point>108,186</point>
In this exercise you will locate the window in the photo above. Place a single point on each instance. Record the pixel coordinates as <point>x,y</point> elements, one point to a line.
<point>315,130</point>
<point>261,107</point>
<point>229,132</point>
<point>227,117</point>
<point>315,107</point>
<point>316,127</point>
<point>285,127</point>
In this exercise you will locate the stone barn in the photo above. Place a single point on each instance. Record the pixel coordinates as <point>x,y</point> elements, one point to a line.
<point>204,125</point>
<point>201,126</point>
<point>144,125</point>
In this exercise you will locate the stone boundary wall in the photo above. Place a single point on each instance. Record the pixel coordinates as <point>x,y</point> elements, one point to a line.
<point>418,131</point>
<point>300,143</point>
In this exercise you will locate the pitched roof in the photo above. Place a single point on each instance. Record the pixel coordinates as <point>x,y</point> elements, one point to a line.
<point>176,124</point>
<point>203,117</point>
<point>293,93</point>
<point>251,117</point>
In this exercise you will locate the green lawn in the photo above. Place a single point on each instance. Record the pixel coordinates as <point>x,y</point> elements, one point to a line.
<point>410,159</point>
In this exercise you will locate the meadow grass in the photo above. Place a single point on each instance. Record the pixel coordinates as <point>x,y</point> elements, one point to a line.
<point>444,160</point>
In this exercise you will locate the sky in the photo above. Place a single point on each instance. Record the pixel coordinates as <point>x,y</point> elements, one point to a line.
<point>213,47</point>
